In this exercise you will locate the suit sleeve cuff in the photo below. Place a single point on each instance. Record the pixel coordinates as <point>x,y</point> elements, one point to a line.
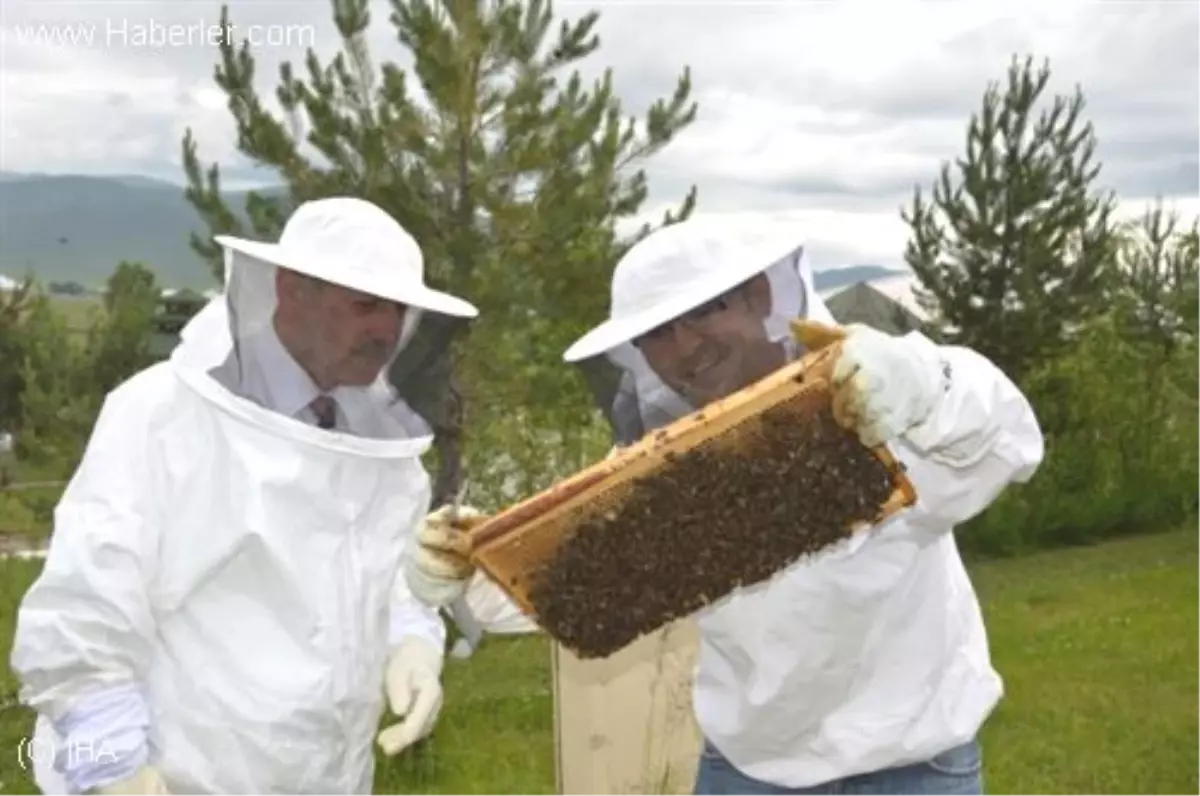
<point>416,620</point>
<point>103,739</point>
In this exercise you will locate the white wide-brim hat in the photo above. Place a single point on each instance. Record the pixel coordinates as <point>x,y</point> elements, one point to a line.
<point>676,269</point>
<point>355,244</point>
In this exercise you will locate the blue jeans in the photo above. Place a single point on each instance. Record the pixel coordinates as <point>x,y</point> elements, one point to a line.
<point>955,771</point>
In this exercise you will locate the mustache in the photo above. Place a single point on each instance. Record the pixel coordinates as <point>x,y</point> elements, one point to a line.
<point>373,349</point>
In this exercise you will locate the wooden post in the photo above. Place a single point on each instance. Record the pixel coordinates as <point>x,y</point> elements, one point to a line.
<point>624,724</point>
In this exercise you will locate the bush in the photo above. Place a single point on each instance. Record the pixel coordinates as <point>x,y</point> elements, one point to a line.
<point>1120,420</point>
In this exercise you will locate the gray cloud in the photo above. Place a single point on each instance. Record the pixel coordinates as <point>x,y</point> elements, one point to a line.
<point>1137,64</point>
<point>823,108</point>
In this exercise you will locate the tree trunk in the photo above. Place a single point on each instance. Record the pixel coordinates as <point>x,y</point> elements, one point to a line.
<point>448,443</point>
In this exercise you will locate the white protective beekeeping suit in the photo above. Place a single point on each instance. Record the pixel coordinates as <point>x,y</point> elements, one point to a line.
<point>220,599</point>
<point>872,654</point>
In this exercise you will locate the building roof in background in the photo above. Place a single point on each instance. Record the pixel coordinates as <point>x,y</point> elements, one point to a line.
<point>187,292</point>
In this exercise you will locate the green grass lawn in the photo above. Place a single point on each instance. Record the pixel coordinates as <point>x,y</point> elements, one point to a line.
<point>78,311</point>
<point>1098,648</point>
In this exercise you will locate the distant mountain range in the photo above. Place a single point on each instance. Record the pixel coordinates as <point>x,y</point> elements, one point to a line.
<point>75,228</point>
<point>831,278</point>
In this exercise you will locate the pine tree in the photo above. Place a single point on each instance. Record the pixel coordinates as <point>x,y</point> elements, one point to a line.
<point>1157,265</point>
<point>1016,250</point>
<point>14,307</point>
<point>508,170</point>
<point>119,341</point>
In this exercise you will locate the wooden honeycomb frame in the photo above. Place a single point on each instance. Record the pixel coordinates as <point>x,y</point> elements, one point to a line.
<point>511,546</point>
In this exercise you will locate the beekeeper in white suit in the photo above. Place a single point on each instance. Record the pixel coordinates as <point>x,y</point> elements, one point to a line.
<point>864,669</point>
<point>220,610</point>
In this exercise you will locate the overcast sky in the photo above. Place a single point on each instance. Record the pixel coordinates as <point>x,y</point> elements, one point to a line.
<point>821,113</point>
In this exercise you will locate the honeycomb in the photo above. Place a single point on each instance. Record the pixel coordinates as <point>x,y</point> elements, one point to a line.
<point>723,498</point>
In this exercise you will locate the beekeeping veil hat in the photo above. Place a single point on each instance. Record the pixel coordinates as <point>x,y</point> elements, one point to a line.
<point>343,241</point>
<point>669,273</point>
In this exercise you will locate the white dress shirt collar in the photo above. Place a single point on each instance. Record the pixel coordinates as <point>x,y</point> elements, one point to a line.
<point>273,378</point>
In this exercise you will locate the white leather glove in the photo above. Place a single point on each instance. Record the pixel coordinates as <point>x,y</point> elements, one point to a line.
<point>883,385</point>
<point>413,686</point>
<point>145,780</point>
<point>437,568</point>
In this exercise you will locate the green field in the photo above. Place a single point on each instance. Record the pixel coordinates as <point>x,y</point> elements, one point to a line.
<point>1098,648</point>
<point>79,313</point>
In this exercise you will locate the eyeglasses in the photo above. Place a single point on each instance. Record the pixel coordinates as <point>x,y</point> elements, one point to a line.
<point>692,317</point>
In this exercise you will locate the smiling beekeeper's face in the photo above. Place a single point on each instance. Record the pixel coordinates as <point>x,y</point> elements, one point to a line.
<point>342,337</point>
<point>717,348</point>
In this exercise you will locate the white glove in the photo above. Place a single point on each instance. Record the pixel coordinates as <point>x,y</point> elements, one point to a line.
<point>438,569</point>
<point>145,780</point>
<point>413,686</point>
<point>885,386</point>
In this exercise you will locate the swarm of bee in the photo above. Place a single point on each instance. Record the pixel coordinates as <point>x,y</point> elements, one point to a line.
<point>711,521</point>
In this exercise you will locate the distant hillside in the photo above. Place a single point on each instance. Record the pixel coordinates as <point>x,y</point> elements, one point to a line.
<point>76,229</point>
<point>73,228</point>
<point>832,278</point>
